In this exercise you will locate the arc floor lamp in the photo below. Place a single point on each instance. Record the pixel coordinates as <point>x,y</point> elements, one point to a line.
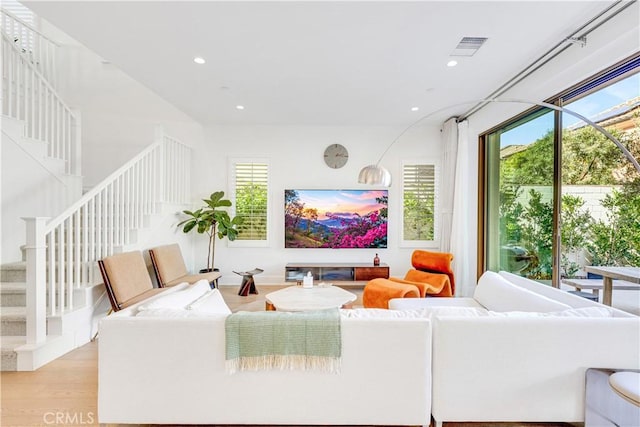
<point>379,175</point>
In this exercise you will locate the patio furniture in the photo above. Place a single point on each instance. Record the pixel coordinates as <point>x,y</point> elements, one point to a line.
<point>596,284</point>
<point>630,274</point>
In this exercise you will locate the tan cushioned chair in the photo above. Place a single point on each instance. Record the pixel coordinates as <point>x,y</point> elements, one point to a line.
<point>126,279</point>
<point>170,268</point>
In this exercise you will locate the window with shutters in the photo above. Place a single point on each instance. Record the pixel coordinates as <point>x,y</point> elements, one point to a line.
<point>419,203</point>
<point>250,185</point>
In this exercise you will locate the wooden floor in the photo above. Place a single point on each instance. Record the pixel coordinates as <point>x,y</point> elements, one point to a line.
<point>64,392</point>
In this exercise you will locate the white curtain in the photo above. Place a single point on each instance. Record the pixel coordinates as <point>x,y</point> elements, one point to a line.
<point>464,223</point>
<point>447,185</point>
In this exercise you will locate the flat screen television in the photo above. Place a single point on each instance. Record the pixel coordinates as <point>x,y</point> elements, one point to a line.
<point>335,218</point>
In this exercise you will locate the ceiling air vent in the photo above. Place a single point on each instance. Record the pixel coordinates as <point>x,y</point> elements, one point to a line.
<point>468,46</point>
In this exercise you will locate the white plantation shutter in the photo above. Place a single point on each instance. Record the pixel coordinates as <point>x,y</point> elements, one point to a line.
<point>419,194</point>
<point>250,188</point>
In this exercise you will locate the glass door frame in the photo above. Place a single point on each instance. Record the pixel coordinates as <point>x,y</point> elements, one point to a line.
<point>596,82</point>
<point>483,193</point>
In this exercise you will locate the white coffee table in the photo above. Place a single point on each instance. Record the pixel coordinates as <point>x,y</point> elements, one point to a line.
<point>297,298</point>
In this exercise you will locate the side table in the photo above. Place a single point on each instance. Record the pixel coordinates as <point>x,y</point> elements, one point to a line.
<point>248,285</point>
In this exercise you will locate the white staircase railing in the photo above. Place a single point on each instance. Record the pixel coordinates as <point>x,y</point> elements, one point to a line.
<point>35,46</point>
<point>28,96</point>
<point>62,253</point>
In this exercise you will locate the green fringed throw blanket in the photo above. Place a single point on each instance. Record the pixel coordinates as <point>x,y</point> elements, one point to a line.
<point>308,340</point>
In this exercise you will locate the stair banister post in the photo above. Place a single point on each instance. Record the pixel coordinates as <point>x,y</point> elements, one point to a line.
<point>36,280</point>
<point>76,157</point>
<point>161,176</point>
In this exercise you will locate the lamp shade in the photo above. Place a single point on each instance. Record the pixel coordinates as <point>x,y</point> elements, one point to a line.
<point>375,175</point>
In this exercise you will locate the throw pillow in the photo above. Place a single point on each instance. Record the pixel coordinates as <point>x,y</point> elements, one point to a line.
<point>573,312</point>
<point>176,313</point>
<point>379,313</point>
<point>210,302</point>
<point>444,311</point>
<point>440,312</point>
<point>548,291</point>
<point>496,293</point>
<point>178,299</point>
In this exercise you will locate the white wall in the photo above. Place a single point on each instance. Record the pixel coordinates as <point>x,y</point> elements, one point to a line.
<point>119,114</point>
<point>296,161</point>
<point>118,118</point>
<point>591,195</point>
<point>30,186</point>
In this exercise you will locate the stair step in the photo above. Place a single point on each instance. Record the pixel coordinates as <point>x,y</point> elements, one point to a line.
<point>13,294</point>
<point>13,272</point>
<point>13,321</point>
<point>16,272</point>
<point>8,355</point>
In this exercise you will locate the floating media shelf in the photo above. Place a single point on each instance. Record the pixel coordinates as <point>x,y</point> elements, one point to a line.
<point>336,272</point>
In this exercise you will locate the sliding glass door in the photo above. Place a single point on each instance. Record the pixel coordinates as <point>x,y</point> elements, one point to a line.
<point>600,187</point>
<point>559,195</point>
<point>520,195</point>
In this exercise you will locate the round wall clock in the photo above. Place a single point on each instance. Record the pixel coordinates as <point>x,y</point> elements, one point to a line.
<point>336,156</point>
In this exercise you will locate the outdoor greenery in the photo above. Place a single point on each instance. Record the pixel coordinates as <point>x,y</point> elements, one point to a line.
<point>617,241</point>
<point>251,207</point>
<point>418,216</point>
<point>589,158</point>
<point>418,198</point>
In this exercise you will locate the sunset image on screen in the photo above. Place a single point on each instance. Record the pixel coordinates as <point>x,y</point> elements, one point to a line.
<point>336,218</point>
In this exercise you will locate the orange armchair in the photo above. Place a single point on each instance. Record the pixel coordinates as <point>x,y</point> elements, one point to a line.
<point>432,276</point>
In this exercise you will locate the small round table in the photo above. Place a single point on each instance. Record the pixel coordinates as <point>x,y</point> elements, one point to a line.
<point>297,298</point>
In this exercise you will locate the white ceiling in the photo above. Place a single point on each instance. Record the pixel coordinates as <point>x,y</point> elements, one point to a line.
<point>318,63</point>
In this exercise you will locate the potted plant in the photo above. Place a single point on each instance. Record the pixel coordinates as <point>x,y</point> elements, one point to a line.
<point>213,221</point>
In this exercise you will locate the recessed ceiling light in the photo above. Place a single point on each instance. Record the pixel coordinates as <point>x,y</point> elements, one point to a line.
<point>415,108</point>
<point>452,63</point>
<point>239,107</point>
<point>199,60</point>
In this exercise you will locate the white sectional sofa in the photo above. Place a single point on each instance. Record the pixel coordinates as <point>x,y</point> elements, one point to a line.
<point>518,350</point>
<point>160,363</point>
